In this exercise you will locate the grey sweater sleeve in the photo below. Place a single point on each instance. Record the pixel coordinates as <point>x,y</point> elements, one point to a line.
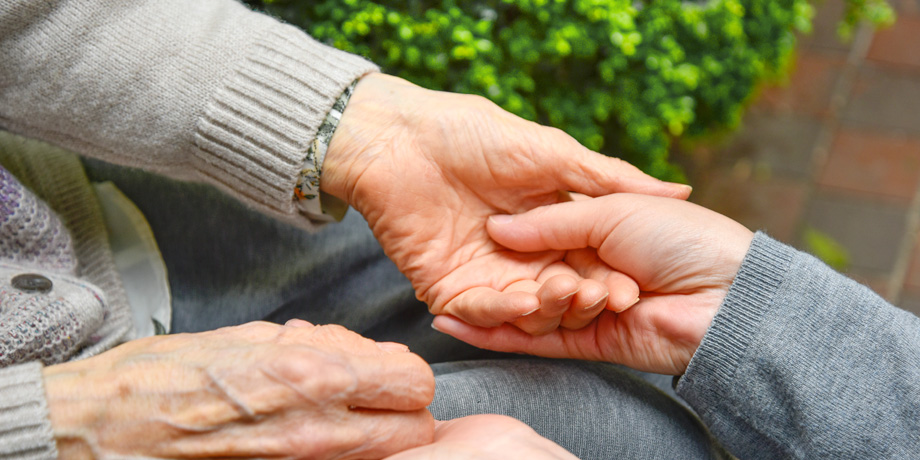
<point>25,428</point>
<point>203,90</point>
<point>802,362</point>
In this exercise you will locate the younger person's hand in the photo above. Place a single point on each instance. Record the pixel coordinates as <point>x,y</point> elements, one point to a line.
<point>683,257</point>
<point>486,436</point>
<point>427,169</point>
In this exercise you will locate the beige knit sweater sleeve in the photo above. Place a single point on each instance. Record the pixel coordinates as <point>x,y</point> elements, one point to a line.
<point>202,90</point>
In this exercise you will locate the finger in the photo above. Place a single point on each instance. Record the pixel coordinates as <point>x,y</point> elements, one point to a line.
<point>584,171</point>
<point>624,291</point>
<point>487,307</point>
<point>392,347</point>
<point>504,338</point>
<point>296,434</point>
<point>331,336</point>
<point>390,433</point>
<point>401,382</point>
<point>590,301</point>
<point>392,381</point>
<point>565,226</point>
<point>295,322</point>
<point>556,295</point>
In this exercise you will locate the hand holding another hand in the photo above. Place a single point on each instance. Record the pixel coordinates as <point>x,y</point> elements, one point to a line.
<point>427,169</point>
<point>256,390</point>
<point>682,256</point>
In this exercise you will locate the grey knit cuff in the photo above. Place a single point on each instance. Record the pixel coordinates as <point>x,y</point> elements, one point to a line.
<point>25,426</point>
<point>254,135</point>
<point>749,297</point>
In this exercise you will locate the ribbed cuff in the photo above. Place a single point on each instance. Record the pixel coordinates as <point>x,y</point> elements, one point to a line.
<point>25,426</point>
<point>749,298</point>
<point>254,136</point>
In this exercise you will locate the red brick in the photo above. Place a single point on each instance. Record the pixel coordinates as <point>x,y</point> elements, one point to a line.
<point>873,162</point>
<point>884,96</point>
<point>898,44</point>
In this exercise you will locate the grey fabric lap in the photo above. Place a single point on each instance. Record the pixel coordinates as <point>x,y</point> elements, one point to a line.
<point>229,265</point>
<point>594,410</point>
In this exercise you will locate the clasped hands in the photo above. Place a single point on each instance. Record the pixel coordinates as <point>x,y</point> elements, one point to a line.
<point>439,176</point>
<point>469,202</point>
<point>427,169</point>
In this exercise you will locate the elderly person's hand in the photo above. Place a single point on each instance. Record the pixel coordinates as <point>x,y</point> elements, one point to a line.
<point>257,390</point>
<point>484,437</point>
<point>684,258</point>
<point>427,168</point>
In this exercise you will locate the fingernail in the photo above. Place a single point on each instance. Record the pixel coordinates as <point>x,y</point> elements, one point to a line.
<point>501,219</point>
<point>634,302</point>
<point>392,347</point>
<point>530,312</point>
<point>569,296</point>
<point>295,322</point>
<point>598,303</point>
<point>436,328</point>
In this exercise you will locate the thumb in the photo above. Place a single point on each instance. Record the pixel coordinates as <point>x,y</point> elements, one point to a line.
<point>585,171</point>
<point>563,226</point>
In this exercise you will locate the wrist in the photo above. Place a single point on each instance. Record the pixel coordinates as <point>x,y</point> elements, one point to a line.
<point>361,137</point>
<point>72,411</point>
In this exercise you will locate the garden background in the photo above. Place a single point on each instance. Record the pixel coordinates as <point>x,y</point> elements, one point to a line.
<point>794,117</point>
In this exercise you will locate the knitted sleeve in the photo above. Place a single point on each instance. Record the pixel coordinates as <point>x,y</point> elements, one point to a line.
<point>25,426</point>
<point>802,362</point>
<point>205,90</point>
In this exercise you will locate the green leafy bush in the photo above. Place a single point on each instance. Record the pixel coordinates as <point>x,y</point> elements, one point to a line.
<point>624,77</point>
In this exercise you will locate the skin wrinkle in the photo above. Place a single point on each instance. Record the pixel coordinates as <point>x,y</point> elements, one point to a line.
<point>272,375</point>
<point>277,355</point>
<point>183,427</point>
<point>224,391</point>
<point>440,162</point>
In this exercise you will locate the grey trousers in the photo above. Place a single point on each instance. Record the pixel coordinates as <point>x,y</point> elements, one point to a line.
<point>229,265</point>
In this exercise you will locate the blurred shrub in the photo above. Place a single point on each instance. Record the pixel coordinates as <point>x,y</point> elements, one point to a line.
<point>826,248</point>
<point>624,77</point>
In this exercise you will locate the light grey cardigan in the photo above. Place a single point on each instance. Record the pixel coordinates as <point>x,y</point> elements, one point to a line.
<point>800,362</point>
<point>202,90</point>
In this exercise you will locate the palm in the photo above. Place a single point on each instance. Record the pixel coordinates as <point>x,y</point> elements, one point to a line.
<point>428,180</point>
<point>485,436</point>
<point>682,257</point>
<point>654,336</point>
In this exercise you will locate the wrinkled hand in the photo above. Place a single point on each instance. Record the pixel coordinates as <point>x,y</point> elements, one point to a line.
<point>427,168</point>
<point>683,257</point>
<point>485,437</point>
<point>257,390</point>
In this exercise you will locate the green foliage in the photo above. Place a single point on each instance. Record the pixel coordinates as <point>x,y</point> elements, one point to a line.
<point>826,248</point>
<point>624,77</point>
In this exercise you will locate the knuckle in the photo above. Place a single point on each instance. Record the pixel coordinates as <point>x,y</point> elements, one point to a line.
<point>256,330</point>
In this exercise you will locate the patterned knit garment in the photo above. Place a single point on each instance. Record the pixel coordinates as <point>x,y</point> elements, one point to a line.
<point>52,327</point>
<point>31,235</point>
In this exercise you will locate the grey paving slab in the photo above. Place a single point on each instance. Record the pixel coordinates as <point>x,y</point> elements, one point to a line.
<point>782,143</point>
<point>824,27</point>
<point>870,230</point>
<point>886,98</point>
